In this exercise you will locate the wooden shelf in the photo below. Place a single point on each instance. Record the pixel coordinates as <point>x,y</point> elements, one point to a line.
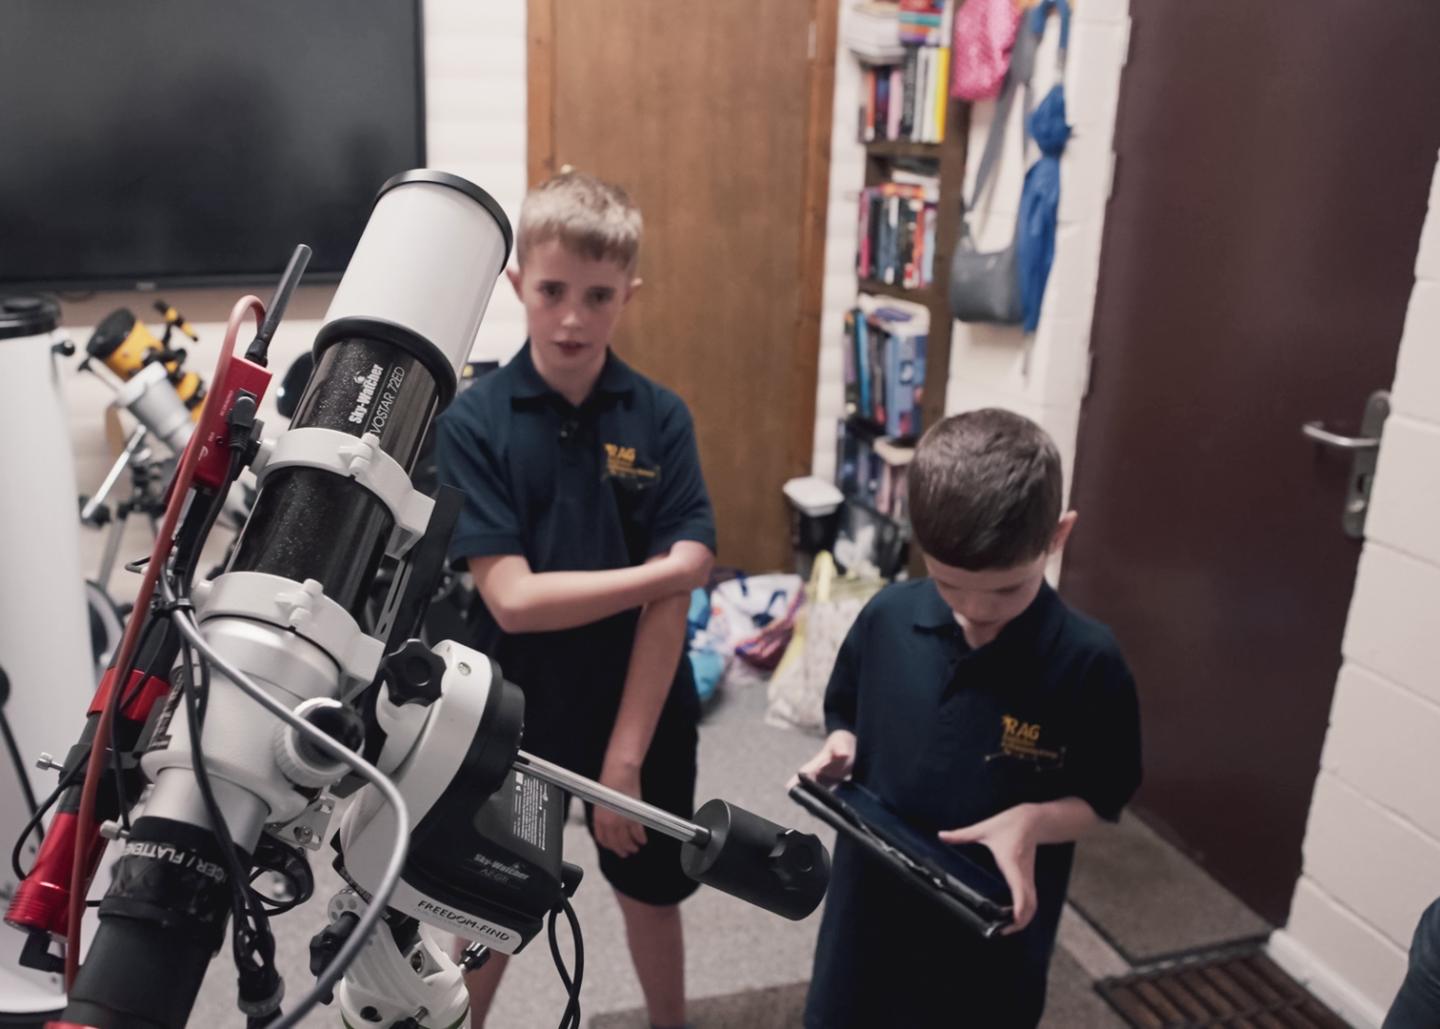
<point>919,296</point>
<point>870,432</point>
<point>902,148</point>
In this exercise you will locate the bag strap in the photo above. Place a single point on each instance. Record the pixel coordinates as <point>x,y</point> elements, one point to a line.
<point>1020,72</point>
<point>1022,66</point>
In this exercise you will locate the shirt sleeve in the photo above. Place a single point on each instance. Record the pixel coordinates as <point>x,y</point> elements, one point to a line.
<point>488,525</point>
<point>1106,749</point>
<point>683,511</point>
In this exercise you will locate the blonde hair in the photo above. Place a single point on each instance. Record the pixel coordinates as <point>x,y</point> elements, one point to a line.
<point>587,215</point>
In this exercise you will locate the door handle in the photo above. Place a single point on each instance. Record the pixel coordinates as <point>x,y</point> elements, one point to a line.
<point>1322,435</point>
<point>1364,451</point>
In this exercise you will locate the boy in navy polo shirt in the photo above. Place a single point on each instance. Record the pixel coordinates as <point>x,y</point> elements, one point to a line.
<point>586,524</point>
<point>981,707</point>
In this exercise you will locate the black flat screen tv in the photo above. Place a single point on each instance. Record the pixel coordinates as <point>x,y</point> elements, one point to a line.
<point>150,143</point>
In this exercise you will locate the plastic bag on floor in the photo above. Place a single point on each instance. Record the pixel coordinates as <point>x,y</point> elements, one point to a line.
<point>796,695</point>
<point>755,615</point>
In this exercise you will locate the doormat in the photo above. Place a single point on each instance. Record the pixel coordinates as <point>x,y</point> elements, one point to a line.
<point>1233,987</point>
<point>1151,902</point>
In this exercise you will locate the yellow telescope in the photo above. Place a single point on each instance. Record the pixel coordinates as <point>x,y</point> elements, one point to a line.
<point>125,346</point>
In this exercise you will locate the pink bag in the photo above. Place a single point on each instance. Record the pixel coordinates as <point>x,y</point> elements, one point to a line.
<point>984,34</point>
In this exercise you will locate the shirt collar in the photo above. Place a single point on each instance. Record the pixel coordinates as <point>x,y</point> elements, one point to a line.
<point>1032,627</point>
<point>616,377</point>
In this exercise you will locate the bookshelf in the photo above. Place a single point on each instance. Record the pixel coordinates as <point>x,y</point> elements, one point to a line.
<point>948,158</point>
<point>871,466</point>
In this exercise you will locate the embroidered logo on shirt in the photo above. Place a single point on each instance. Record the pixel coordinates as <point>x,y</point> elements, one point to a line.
<point>620,463</point>
<point>1024,740</point>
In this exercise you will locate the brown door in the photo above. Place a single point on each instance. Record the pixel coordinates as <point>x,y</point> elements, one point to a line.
<point>1273,165</point>
<point>716,117</point>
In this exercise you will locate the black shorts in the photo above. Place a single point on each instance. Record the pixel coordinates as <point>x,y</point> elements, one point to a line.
<point>652,874</point>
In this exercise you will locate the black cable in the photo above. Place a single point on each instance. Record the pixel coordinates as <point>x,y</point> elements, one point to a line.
<point>41,810</point>
<point>20,772</point>
<point>77,771</point>
<point>571,1018</point>
<point>251,939</point>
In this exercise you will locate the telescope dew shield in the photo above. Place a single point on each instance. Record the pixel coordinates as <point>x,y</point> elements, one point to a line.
<point>430,308</point>
<point>386,362</point>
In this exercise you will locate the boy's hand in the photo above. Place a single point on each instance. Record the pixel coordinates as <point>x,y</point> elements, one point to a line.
<point>692,562</point>
<point>834,761</point>
<point>615,832</point>
<point>1010,836</point>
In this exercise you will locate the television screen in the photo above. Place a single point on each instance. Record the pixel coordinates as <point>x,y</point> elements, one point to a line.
<point>174,142</point>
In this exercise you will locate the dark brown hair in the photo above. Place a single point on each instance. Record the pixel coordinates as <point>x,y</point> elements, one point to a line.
<point>985,490</point>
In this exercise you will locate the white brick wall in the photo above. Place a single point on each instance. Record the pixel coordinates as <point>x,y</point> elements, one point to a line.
<point>1372,847</point>
<point>475,126</point>
<point>847,176</point>
<point>1043,376</point>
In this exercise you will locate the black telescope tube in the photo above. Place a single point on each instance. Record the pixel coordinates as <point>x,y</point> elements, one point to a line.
<point>310,523</point>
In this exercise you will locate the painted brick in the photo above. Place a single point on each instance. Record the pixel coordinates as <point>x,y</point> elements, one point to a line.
<point>1062,357</point>
<point>1101,11</point>
<point>1070,291</point>
<point>1405,503</point>
<point>1417,372</point>
<point>1372,717</point>
<point>1348,948</point>
<point>1097,53</point>
<point>1085,175</point>
<point>1369,860</point>
<point>1393,619</point>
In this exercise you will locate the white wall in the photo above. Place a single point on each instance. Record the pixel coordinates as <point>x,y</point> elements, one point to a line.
<point>1372,847</point>
<point>1042,376</point>
<point>847,177</point>
<point>475,127</point>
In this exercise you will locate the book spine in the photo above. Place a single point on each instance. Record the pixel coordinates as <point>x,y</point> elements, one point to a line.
<point>852,385</point>
<point>896,96</point>
<point>868,132</point>
<point>942,93</point>
<point>907,115</point>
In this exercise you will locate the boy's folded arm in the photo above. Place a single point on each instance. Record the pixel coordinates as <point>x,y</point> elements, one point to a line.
<point>522,600</point>
<point>659,642</point>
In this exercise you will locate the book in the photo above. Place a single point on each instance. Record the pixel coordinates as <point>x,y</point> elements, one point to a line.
<point>907,81</point>
<point>872,33</point>
<point>862,363</point>
<point>896,102</point>
<point>942,90</point>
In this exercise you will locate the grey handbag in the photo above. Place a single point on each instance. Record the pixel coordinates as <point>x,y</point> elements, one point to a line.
<point>985,287</point>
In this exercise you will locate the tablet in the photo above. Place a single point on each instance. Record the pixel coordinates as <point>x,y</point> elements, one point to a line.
<point>966,889</point>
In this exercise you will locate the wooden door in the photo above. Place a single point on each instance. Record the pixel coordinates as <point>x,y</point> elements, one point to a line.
<point>716,118</point>
<point>1273,165</point>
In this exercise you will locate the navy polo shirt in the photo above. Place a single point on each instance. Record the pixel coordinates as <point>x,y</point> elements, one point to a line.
<point>604,485</point>
<point>949,735</point>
